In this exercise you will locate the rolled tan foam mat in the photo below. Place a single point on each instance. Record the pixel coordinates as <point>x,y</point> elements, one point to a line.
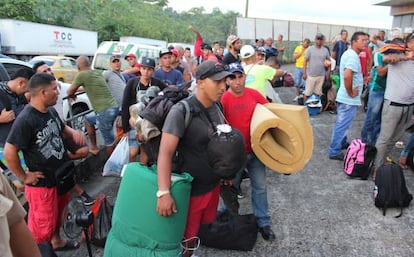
<point>282,137</point>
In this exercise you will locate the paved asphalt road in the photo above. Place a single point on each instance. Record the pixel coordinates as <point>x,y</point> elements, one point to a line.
<point>316,212</point>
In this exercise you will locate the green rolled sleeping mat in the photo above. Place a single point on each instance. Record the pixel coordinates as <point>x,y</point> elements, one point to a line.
<point>137,228</point>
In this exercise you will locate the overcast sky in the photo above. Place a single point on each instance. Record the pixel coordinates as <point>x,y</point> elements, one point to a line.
<point>342,12</point>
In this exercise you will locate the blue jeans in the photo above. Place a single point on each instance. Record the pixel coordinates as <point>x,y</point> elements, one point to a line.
<point>408,147</point>
<point>257,174</point>
<point>346,114</point>
<point>105,122</point>
<point>299,82</point>
<point>372,123</point>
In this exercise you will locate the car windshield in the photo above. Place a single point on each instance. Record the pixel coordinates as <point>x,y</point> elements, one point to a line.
<point>35,60</point>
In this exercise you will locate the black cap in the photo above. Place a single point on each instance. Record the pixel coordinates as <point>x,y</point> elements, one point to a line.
<point>213,70</point>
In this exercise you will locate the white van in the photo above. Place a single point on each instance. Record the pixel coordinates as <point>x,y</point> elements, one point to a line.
<point>108,48</point>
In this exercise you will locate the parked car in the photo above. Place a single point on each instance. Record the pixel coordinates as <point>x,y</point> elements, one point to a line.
<point>82,104</point>
<point>64,68</point>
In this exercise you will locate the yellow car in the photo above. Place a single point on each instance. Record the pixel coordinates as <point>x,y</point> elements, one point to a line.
<point>64,68</point>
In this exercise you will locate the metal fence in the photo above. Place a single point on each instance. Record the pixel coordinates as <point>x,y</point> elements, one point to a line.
<point>293,32</point>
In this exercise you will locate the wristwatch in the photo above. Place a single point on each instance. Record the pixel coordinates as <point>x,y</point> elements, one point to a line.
<point>161,193</point>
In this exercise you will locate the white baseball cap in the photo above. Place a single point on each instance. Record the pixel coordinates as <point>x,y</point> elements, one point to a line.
<point>246,51</point>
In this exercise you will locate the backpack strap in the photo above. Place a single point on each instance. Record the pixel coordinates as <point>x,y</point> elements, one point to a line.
<point>4,98</point>
<point>187,112</point>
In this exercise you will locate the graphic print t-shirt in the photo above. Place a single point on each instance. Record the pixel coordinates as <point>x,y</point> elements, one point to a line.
<point>38,135</point>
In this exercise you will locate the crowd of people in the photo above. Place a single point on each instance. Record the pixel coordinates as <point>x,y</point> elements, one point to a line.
<point>227,83</point>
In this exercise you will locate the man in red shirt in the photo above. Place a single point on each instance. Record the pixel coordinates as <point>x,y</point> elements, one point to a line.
<point>239,103</point>
<point>135,66</point>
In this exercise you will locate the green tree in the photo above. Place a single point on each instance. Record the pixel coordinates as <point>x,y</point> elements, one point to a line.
<point>18,9</point>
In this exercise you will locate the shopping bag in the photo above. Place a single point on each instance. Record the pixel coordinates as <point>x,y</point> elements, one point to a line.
<point>102,211</point>
<point>118,158</point>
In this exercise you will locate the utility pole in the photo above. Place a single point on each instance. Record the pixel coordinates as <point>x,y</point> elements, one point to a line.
<point>247,9</point>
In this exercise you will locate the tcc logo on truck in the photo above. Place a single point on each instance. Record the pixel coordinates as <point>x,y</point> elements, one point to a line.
<point>62,35</point>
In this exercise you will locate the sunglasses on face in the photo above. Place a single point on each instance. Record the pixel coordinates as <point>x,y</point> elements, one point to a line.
<point>115,61</point>
<point>47,70</point>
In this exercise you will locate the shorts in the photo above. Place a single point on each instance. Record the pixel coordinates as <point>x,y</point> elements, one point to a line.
<point>45,209</point>
<point>105,123</point>
<point>314,85</point>
<point>202,209</point>
<point>132,139</point>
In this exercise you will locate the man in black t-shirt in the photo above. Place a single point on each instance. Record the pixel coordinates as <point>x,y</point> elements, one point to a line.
<point>191,143</point>
<point>39,133</point>
<point>141,83</point>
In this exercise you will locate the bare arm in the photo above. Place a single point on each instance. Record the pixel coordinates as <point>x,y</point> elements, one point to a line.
<point>22,243</point>
<point>394,58</point>
<point>382,70</point>
<point>165,204</point>
<point>305,64</point>
<point>72,89</point>
<point>352,92</point>
<point>12,159</point>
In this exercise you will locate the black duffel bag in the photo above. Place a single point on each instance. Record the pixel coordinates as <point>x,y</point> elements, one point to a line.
<point>237,233</point>
<point>65,177</point>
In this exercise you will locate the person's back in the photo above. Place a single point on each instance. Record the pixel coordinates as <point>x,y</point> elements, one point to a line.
<point>96,88</point>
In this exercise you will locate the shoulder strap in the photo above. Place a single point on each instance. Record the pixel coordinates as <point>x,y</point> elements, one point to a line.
<point>187,113</point>
<point>4,98</point>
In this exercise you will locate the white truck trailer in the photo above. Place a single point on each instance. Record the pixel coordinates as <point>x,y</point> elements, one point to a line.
<point>23,40</point>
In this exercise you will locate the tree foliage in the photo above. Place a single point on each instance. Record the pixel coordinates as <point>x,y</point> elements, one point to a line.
<point>115,18</point>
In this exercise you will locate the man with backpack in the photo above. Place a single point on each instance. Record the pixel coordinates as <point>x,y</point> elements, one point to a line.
<point>239,103</point>
<point>189,143</point>
<point>398,99</point>
<point>130,97</point>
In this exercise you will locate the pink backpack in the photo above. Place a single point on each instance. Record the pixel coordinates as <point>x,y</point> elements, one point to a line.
<point>359,159</point>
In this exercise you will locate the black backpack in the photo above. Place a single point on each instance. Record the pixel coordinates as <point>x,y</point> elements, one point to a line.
<point>157,110</point>
<point>390,189</point>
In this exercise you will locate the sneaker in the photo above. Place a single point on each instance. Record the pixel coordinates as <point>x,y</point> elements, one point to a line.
<point>399,144</point>
<point>240,195</point>
<point>339,157</point>
<point>295,99</point>
<point>87,199</point>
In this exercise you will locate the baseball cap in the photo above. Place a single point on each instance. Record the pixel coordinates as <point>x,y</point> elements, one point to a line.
<point>235,67</point>
<point>115,57</point>
<point>148,62</point>
<point>174,52</point>
<point>165,51</point>
<point>206,46</point>
<point>246,51</point>
<point>261,50</point>
<point>130,55</point>
<point>231,39</point>
<point>213,70</point>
